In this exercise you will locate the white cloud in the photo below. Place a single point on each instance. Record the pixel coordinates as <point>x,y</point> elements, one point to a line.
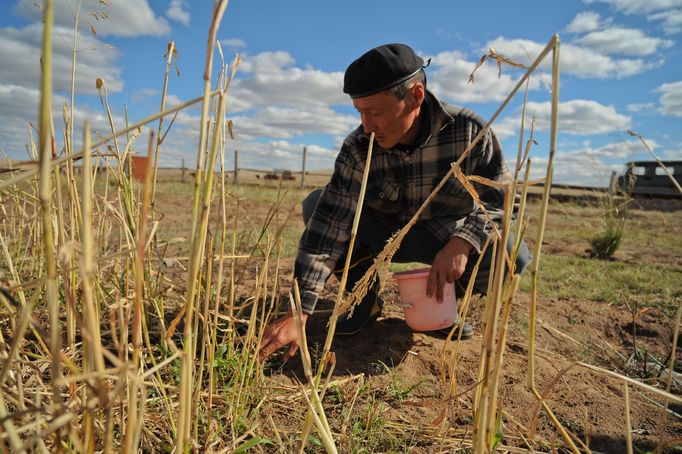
<point>585,21</point>
<point>116,18</point>
<point>667,11</point>
<point>283,154</point>
<point>645,107</point>
<point>671,153</point>
<point>588,165</point>
<point>143,94</point>
<point>288,122</point>
<point>672,20</point>
<point>177,11</point>
<point>18,108</point>
<point>576,117</point>
<point>274,80</point>
<point>579,61</point>
<point>639,6</point>
<point>22,47</point>
<point>449,74</point>
<point>624,41</point>
<point>234,43</point>
<point>671,98</point>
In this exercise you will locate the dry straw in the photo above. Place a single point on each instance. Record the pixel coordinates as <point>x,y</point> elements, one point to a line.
<point>113,387</point>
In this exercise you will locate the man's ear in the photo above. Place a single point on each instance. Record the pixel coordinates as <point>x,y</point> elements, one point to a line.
<point>418,93</point>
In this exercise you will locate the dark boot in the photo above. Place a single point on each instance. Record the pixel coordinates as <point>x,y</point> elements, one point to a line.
<point>368,310</point>
<point>467,330</point>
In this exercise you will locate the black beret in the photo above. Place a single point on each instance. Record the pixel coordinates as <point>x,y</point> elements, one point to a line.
<point>379,69</point>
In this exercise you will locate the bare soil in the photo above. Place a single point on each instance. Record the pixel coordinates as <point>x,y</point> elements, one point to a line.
<point>396,373</point>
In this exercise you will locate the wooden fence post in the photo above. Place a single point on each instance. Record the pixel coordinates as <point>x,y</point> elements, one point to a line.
<point>236,165</point>
<point>182,177</point>
<point>305,152</point>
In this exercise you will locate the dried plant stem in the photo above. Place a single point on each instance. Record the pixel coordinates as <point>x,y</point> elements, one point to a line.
<point>74,52</point>
<point>159,132</point>
<point>486,409</point>
<point>196,258</point>
<point>451,390</point>
<point>671,368</point>
<point>351,244</point>
<point>342,287</point>
<point>45,196</point>
<point>135,413</point>
<point>315,409</point>
<point>92,354</point>
<point>519,162</point>
<point>628,425</point>
<point>535,264</point>
<point>538,242</point>
<point>218,11</point>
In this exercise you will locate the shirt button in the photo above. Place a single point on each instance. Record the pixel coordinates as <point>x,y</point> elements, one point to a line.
<point>412,185</point>
<point>381,195</point>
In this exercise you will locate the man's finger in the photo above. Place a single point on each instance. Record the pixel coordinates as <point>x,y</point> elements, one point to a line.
<point>430,283</point>
<point>452,275</point>
<point>291,352</point>
<point>263,353</point>
<point>439,287</point>
<point>268,349</point>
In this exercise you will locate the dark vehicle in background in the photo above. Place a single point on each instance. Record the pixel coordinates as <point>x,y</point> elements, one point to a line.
<point>648,179</point>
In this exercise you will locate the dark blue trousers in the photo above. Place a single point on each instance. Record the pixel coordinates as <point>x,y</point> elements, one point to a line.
<point>418,246</point>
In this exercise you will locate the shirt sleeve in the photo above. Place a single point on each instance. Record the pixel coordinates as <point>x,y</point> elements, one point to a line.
<point>484,160</point>
<point>327,233</point>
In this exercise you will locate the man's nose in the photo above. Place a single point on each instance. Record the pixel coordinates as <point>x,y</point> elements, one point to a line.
<point>367,125</point>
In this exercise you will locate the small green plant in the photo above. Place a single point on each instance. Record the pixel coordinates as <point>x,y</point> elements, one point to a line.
<point>608,239</point>
<point>397,388</point>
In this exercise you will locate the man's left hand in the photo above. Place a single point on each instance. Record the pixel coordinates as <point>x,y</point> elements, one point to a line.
<point>448,266</point>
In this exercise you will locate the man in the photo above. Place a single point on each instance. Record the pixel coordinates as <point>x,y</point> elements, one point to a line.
<point>416,139</point>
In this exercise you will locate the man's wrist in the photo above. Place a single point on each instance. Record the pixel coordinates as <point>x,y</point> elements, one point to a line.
<point>460,244</point>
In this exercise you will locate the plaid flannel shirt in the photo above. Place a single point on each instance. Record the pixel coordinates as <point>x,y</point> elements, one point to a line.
<point>399,182</point>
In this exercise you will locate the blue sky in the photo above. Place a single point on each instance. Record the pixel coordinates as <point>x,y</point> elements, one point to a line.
<point>620,70</point>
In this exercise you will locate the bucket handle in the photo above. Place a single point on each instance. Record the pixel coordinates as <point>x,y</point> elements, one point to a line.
<point>403,305</point>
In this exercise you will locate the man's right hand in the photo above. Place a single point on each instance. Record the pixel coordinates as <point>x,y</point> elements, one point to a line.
<point>279,333</point>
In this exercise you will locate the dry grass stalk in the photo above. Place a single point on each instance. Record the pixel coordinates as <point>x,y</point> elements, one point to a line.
<point>132,428</point>
<point>498,58</point>
<point>628,424</point>
<point>342,286</point>
<point>45,196</point>
<point>554,46</point>
<point>198,236</point>
<point>486,409</point>
<point>671,368</point>
<point>92,355</point>
<point>170,53</point>
<point>200,227</point>
<point>451,388</point>
<point>315,409</point>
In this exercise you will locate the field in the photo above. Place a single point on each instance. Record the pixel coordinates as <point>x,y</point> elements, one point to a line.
<point>617,314</point>
<point>386,391</point>
<point>131,314</point>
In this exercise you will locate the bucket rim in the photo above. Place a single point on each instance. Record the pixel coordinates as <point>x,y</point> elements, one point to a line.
<point>417,273</point>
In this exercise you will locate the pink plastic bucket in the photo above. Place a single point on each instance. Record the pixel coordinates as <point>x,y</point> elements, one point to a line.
<point>423,313</point>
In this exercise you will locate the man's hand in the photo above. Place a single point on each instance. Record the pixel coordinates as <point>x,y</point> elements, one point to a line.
<point>448,266</point>
<point>279,333</point>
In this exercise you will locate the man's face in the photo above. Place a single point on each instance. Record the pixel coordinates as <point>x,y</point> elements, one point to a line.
<point>391,119</point>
